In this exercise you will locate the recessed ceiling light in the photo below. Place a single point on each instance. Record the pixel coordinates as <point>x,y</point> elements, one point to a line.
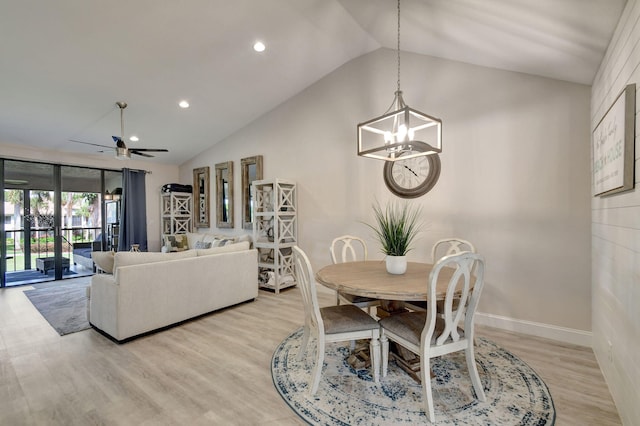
<point>134,138</point>
<point>259,46</point>
<point>184,104</point>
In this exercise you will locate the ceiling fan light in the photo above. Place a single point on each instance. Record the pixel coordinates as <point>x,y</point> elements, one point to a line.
<point>122,153</point>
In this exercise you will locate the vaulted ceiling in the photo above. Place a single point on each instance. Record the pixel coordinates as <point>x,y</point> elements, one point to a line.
<point>64,64</point>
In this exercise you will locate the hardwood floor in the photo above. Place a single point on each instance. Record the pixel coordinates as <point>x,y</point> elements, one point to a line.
<point>214,370</point>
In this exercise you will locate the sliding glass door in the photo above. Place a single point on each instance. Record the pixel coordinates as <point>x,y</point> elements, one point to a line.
<point>52,220</point>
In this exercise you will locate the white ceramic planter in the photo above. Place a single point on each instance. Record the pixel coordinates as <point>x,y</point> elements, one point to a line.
<point>396,265</point>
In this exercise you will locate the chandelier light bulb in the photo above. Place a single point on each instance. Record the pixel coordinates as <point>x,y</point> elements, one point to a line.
<point>402,133</point>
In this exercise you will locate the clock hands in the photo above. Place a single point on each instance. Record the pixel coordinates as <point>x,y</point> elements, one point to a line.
<point>408,168</point>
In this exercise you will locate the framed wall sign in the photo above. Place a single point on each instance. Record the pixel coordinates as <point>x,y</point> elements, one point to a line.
<point>613,146</point>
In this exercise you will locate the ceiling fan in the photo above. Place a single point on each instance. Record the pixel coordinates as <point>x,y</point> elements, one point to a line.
<point>122,151</point>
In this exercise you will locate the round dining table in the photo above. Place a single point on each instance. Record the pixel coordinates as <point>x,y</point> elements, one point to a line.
<point>370,279</point>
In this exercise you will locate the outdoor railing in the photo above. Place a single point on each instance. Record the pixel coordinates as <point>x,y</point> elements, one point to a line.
<point>41,244</point>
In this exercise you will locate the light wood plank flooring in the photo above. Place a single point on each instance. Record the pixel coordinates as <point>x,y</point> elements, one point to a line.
<point>214,370</point>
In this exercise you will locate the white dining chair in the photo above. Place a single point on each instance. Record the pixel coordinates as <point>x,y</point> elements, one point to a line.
<point>331,324</point>
<point>430,335</point>
<point>440,248</point>
<point>351,249</point>
<point>447,246</point>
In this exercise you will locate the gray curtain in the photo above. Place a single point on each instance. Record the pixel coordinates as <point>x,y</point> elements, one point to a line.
<point>133,218</point>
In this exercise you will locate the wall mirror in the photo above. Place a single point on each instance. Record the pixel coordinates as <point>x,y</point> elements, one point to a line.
<point>224,195</point>
<point>251,170</point>
<point>201,197</point>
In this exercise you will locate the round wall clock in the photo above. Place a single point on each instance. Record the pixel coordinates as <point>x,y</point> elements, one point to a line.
<point>412,177</point>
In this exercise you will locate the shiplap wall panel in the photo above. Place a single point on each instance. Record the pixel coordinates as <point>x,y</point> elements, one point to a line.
<point>609,80</point>
<point>615,239</point>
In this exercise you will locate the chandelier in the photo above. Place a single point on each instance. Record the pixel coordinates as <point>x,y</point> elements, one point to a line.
<point>401,131</point>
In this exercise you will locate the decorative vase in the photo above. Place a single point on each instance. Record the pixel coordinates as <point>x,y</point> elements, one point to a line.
<point>396,265</point>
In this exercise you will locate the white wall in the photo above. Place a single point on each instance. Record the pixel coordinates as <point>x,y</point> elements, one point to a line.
<point>616,235</point>
<point>160,174</point>
<point>515,175</point>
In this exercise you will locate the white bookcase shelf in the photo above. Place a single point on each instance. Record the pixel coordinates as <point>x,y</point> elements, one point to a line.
<point>176,213</point>
<point>275,231</point>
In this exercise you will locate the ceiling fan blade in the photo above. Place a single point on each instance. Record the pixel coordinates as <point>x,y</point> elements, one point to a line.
<point>89,143</point>
<point>140,153</point>
<point>148,150</point>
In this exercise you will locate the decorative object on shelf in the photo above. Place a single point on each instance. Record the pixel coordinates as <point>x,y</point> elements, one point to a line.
<point>251,171</point>
<point>275,231</point>
<point>396,228</point>
<point>201,197</point>
<point>401,129</point>
<point>135,248</point>
<point>412,177</point>
<point>613,146</point>
<point>224,194</point>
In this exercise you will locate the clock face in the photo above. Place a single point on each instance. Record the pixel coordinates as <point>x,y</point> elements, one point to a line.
<point>412,177</point>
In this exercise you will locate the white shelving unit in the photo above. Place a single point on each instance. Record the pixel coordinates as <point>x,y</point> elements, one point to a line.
<point>275,232</point>
<point>176,212</point>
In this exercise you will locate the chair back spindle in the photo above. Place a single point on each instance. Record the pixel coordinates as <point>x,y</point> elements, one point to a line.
<point>450,246</point>
<point>353,249</point>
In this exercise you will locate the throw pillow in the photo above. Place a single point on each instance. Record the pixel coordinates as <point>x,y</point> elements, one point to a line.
<point>202,245</point>
<point>222,242</point>
<point>177,242</point>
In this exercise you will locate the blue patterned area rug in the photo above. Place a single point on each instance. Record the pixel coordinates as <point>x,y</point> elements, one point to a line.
<point>516,395</point>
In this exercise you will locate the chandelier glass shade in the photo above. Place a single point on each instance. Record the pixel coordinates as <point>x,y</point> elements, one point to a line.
<point>401,131</point>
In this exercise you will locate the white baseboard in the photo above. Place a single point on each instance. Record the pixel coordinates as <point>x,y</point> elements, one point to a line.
<point>562,334</point>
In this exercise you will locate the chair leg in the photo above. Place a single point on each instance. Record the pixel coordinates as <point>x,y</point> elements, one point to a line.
<point>374,350</point>
<point>473,372</point>
<point>384,350</point>
<point>425,373</point>
<point>317,369</point>
<point>305,341</point>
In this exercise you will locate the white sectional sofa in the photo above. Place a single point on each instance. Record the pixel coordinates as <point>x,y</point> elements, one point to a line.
<point>149,291</point>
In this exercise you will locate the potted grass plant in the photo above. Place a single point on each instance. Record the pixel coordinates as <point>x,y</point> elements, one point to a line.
<point>396,228</point>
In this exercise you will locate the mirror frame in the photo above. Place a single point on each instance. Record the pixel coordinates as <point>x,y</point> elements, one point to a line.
<point>220,169</point>
<point>245,164</point>
<point>201,205</point>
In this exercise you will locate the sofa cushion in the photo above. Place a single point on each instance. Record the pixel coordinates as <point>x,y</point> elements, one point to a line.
<point>193,238</point>
<point>103,260</point>
<point>245,245</point>
<point>127,258</point>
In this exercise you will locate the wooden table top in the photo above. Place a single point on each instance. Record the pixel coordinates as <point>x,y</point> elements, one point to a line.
<point>371,279</point>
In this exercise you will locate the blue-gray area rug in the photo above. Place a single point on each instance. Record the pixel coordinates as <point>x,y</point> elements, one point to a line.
<point>516,395</point>
<point>64,306</point>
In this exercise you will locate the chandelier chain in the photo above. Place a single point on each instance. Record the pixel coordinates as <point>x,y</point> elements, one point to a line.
<point>398,49</point>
